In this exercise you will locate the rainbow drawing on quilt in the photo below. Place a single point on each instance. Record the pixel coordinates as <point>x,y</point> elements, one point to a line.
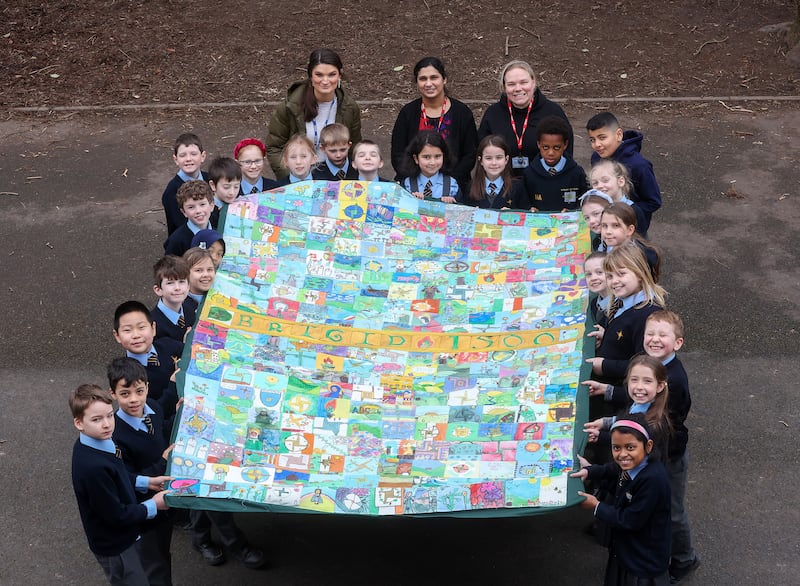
<point>363,351</point>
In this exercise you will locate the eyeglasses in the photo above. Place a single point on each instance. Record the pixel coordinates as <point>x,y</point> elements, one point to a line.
<point>253,163</point>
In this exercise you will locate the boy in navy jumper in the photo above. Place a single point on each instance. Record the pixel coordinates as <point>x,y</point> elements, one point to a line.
<point>225,180</point>
<point>367,161</point>
<point>172,315</point>
<point>105,490</point>
<point>196,201</point>
<point>141,433</point>
<point>554,181</point>
<point>135,330</point>
<point>610,142</point>
<point>189,156</point>
<point>334,140</point>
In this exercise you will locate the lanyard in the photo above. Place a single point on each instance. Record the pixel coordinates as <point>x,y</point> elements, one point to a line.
<point>327,119</point>
<point>424,121</point>
<point>524,126</point>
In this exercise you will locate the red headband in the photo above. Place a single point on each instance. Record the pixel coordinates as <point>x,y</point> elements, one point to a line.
<point>246,143</point>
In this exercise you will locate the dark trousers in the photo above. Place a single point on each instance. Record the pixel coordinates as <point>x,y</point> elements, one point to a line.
<point>223,521</point>
<point>154,553</point>
<point>124,569</point>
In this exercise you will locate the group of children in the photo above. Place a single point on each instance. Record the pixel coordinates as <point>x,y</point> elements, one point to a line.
<point>120,458</point>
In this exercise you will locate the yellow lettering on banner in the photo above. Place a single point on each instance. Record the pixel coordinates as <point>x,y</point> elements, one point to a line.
<point>409,341</point>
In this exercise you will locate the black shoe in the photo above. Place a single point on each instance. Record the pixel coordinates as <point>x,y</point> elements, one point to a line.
<point>250,557</point>
<point>212,555</point>
<point>678,573</point>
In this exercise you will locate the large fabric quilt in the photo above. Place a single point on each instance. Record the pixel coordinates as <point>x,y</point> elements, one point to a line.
<point>366,352</point>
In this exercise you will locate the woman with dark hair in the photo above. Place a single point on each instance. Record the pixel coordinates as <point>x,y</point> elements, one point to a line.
<point>435,110</point>
<point>517,114</point>
<point>312,104</point>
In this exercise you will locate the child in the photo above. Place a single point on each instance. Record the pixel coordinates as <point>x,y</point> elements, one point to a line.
<point>172,315</point>
<point>250,153</point>
<point>135,331</point>
<point>224,178</point>
<point>639,518</point>
<point>212,241</point>
<point>618,228</point>
<point>634,296</point>
<point>596,282</point>
<point>593,202</point>
<point>367,160</point>
<point>609,142</point>
<point>196,201</point>
<point>141,433</point>
<point>334,140</point>
<point>493,185</point>
<point>612,178</point>
<point>105,490</point>
<point>427,154</point>
<point>201,273</point>
<point>663,337</point>
<point>299,156</point>
<point>553,180</point>
<point>189,156</point>
<point>646,382</point>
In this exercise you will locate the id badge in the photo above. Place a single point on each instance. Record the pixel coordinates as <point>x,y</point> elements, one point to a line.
<point>519,162</point>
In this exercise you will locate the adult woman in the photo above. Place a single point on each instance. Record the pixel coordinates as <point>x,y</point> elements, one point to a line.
<point>311,105</point>
<point>518,112</point>
<point>435,110</point>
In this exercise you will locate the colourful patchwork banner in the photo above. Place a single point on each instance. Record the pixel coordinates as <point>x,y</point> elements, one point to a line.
<point>366,352</point>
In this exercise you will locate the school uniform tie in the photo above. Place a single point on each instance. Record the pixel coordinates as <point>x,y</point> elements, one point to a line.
<point>152,360</point>
<point>624,477</point>
<point>615,307</point>
<point>552,171</point>
<point>428,191</point>
<point>117,451</point>
<point>254,190</point>
<point>492,190</point>
<point>181,322</point>
<point>149,423</point>
<point>340,174</point>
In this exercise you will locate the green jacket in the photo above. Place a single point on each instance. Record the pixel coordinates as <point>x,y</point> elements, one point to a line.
<point>288,120</point>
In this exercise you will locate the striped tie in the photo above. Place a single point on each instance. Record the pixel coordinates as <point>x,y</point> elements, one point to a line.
<point>428,191</point>
<point>616,305</point>
<point>254,190</point>
<point>552,171</point>
<point>624,477</point>
<point>149,423</point>
<point>152,360</point>
<point>340,174</point>
<point>117,451</point>
<point>492,190</point>
<point>181,322</point>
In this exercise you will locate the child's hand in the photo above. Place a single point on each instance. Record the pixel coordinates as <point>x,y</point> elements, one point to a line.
<point>158,482</point>
<point>597,334</point>
<point>161,504</point>
<point>449,199</point>
<point>592,428</point>
<point>174,374</point>
<point>583,462</point>
<point>596,389</point>
<point>582,474</point>
<point>590,503</point>
<point>597,364</point>
<point>186,335</point>
<point>564,210</point>
<point>534,210</point>
<point>168,451</point>
<point>418,194</point>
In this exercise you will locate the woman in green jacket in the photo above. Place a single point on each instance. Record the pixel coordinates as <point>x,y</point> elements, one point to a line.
<point>311,105</point>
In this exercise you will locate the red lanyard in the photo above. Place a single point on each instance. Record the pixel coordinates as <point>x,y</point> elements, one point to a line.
<point>519,137</point>
<point>424,121</point>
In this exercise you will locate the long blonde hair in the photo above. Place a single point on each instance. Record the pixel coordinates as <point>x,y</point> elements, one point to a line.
<point>632,258</point>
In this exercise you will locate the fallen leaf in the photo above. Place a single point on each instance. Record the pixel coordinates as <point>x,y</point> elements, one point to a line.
<point>398,68</point>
